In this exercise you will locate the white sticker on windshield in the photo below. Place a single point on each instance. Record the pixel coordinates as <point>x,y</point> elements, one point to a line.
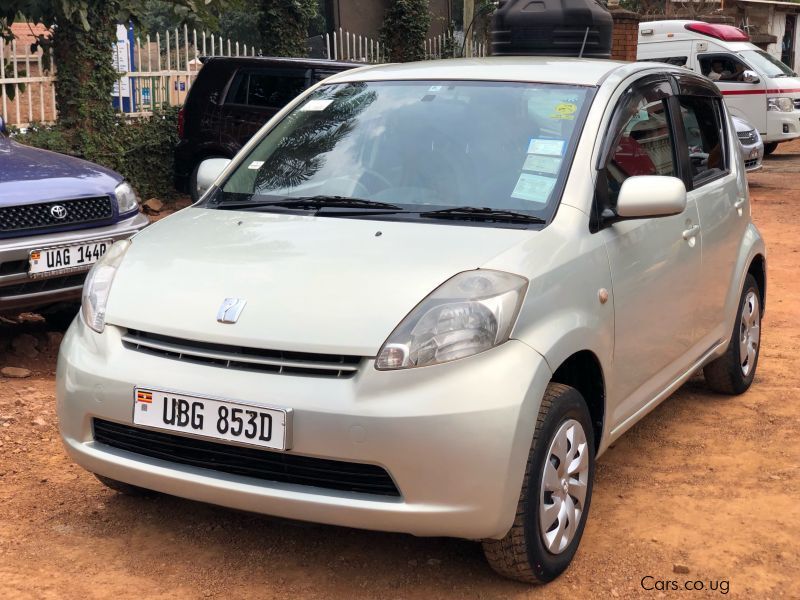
<point>256,164</point>
<point>546,147</point>
<point>435,88</point>
<point>316,105</point>
<point>534,188</point>
<point>542,164</point>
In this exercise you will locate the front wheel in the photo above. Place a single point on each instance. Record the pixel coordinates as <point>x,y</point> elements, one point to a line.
<point>770,147</point>
<point>556,493</point>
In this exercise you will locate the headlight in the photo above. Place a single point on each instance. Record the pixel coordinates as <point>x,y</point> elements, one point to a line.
<point>467,314</point>
<point>781,104</point>
<point>98,286</point>
<point>126,198</point>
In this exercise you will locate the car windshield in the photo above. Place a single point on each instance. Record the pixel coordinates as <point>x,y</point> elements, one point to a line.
<point>767,64</point>
<point>419,145</point>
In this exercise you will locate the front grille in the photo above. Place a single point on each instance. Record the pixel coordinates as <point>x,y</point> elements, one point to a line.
<point>747,137</point>
<point>242,358</point>
<point>40,216</point>
<point>37,286</point>
<point>266,465</point>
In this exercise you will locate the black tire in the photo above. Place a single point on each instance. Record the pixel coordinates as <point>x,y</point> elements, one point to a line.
<point>522,554</point>
<point>193,176</point>
<point>124,488</point>
<point>770,148</point>
<point>725,374</point>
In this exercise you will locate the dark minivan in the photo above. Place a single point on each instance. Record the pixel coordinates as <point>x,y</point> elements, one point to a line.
<point>231,99</point>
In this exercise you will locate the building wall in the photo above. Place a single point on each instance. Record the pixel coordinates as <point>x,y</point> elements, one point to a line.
<point>365,17</point>
<point>626,33</point>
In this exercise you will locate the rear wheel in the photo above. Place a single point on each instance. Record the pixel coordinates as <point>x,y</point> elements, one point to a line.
<point>770,148</point>
<point>123,488</point>
<point>733,372</point>
<point>556,493</point>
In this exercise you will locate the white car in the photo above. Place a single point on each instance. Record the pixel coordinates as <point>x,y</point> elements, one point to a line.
<point>750,144</point>
<point>425,298</point>
<point>757,86</point>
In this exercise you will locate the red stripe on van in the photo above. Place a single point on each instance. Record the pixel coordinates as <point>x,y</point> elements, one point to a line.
<point>750,92</point>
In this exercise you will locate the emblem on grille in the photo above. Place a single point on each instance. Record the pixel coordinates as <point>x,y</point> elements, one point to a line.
<point>58,211</point>
<point>230,310</point>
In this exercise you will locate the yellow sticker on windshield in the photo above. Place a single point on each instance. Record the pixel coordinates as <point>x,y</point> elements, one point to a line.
<point>565,111</point>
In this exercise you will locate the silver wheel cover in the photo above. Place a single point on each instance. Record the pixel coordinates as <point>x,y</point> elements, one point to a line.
<point>564,485</point>
<point>749,333</point>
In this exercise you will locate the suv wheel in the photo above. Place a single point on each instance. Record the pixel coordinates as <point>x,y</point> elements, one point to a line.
<point>556,492</point>
<point>733,372</point>
<point>770,148</point>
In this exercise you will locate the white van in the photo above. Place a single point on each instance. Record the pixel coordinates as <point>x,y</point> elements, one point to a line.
<point>757,87</point>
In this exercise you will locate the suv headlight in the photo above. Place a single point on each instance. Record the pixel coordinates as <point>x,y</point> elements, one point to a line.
<point>126,198</point>
<point>469,313</point>
<point>781,104</point>
<point>98,286</point>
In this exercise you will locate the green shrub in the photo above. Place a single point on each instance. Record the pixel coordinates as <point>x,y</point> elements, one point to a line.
<point>405,28</point>
<point>141,151</point>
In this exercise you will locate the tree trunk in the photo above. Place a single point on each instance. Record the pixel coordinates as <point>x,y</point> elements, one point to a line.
<point>85,74</point>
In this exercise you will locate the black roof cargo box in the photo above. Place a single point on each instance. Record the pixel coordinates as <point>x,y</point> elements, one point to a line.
<point>552,28</point>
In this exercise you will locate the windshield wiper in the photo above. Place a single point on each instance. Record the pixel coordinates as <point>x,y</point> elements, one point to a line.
<point>482,213</point>
<point>316,202</point>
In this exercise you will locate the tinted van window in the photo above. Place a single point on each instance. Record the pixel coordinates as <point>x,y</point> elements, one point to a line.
<point>269,88</point>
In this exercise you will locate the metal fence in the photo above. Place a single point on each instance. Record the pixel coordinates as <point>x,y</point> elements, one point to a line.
<point>160,71</point>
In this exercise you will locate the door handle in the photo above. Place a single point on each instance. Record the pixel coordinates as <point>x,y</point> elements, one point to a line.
<point>691,232</point>
<point>739,203</point>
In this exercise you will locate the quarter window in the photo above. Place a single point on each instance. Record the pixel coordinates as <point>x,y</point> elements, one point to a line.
<point>702,122</point>
<point>643,143</point>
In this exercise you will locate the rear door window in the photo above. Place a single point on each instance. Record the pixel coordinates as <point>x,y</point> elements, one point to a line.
<point>705,137</point>
<point>273,88</point>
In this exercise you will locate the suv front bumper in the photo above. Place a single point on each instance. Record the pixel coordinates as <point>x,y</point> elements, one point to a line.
<point>20,292</point>
<point>455,438</point>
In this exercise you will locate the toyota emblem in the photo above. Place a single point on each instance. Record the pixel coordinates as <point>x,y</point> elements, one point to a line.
<point>58,212</point>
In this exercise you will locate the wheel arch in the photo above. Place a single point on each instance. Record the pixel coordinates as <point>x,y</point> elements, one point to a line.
<point>583,371</point>
<point>758,269</point>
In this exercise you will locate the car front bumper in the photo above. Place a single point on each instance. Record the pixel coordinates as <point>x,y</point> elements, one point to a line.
<point>454,438</point>
<point>782,126</point>
<point>20,292</point>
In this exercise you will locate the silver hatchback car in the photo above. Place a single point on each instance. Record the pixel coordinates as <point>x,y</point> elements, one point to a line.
<point>425,298</point>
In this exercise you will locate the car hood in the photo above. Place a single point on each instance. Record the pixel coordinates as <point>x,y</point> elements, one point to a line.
<point>31,175</point>
<point>313,284</point>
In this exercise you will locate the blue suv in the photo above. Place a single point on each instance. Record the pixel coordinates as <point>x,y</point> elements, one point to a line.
<point>58,216</point>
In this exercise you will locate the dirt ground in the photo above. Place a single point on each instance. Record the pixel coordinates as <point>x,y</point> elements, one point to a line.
<point>705,481</point>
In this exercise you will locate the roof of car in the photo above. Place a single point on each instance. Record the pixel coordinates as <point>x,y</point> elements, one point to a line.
<point>281,61</point>
<point>573,71</point>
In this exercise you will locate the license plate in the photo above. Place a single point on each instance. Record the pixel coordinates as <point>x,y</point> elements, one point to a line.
<point>250,424</point>
<point>63,259</point>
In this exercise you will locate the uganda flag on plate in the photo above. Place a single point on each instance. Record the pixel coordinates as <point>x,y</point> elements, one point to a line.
<point>146,397</point>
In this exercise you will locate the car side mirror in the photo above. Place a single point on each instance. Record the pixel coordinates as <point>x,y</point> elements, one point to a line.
<point>650,196</point>
<point>3,128</point>
<point>749,76</point>
<point>208,171</point>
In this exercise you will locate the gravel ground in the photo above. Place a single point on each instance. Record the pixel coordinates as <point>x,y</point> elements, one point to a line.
<point>705,482</point>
